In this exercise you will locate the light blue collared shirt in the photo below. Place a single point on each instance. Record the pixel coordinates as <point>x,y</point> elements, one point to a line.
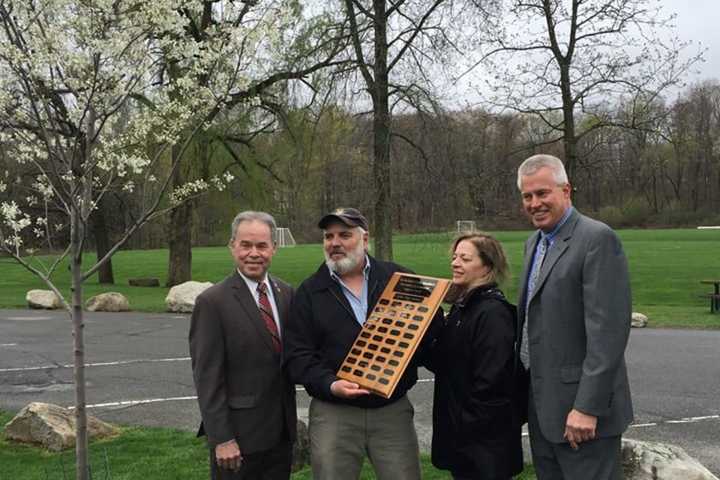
<point>359,305</point>
<point>550,237</point>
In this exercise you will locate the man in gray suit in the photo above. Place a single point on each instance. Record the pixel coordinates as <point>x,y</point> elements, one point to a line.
<point>247,404</point>
<point>574,314</point>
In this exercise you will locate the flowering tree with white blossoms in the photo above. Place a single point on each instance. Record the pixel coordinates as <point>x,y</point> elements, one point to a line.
<point>97,95</point>
<point>301,42</point>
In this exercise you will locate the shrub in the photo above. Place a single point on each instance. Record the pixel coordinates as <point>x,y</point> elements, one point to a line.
<point>610,215</point>
<point>635,213</point>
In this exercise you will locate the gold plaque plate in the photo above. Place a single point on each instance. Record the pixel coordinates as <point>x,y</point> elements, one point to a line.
<point>392,333</point>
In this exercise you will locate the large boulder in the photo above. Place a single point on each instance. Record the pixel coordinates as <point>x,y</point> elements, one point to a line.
<point>52,426</point>
<point>301,448</point>
<point>638,320</point>
<point>108,302</point>
<point>181,298</point>
<point>658,461</point>
<point>43,299</point>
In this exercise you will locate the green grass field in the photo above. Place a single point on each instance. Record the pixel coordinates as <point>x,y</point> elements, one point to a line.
<point>141,454</point>
<point>666,267</point>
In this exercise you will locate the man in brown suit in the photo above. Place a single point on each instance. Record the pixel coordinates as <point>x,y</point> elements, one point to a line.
<point>247,404</point>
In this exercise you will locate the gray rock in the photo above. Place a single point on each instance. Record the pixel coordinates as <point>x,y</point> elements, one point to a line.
<point>43,299</point>
<point>181,298</point>
<point>658,461</point>
<point>638,320</point>
<point>144,282</point>
<point>52,427</point>
<point>301,448</point>
<point>108,302</point>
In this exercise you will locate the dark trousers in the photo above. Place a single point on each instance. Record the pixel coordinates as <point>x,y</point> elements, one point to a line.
<point>273,464</point>
<point>598,459</point>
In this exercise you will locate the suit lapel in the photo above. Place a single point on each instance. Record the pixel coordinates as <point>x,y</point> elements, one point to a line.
<point>280,300</point>
<point>243,295</point>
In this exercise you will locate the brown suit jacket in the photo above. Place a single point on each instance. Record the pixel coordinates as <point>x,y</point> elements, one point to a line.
<point>242,391</point>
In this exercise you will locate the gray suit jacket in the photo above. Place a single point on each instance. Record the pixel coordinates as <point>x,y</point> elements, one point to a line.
<point>578,328</point>
<point>242,391</point>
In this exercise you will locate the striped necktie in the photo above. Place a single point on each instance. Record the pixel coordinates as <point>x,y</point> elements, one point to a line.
<point>267,315</point>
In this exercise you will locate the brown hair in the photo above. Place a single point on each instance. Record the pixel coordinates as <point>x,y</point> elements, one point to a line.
<point>490,252</point>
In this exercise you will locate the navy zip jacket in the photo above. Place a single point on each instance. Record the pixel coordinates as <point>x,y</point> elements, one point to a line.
<point>322,327</point>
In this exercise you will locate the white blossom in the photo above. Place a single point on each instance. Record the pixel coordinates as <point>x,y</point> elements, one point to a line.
<point>107,63</point>
<point>14,241</point>
<point>43,186</point>
<point>188,190</point>
<point>13,218</point>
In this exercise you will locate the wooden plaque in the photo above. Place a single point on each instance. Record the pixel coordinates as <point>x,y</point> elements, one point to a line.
<point>392,333</point>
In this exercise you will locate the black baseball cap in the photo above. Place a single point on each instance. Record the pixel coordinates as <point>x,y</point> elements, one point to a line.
<point>348,216</point>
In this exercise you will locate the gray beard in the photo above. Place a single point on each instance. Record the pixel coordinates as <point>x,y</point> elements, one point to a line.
<point>347,264</point>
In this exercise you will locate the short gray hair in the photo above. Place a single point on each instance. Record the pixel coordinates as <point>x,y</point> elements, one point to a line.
<point>253,216</point>
<point>531,165</point>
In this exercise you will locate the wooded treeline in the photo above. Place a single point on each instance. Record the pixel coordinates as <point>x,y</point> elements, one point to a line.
<point>456,165</point>
<point>345,112</point>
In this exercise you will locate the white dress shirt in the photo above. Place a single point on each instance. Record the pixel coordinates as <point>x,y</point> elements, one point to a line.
<point>252,285</point>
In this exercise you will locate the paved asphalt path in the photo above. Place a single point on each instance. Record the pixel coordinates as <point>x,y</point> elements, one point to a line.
<point>139,373</point>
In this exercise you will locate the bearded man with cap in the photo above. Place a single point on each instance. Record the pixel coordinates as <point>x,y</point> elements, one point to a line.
<point>346,422</point>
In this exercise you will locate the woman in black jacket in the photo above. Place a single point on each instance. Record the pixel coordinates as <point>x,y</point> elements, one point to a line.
<point>476,428</point>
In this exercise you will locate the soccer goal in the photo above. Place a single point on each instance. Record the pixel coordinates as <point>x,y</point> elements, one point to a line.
<point>466,226</point>
<point>284,237</point>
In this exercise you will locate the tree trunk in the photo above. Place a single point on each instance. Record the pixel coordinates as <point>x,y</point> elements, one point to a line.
<point>102,243</point>
<point>179,234</point>
<point>81,439</point>
<point>80,211</point>
<point>381,138</point>
<point>180,245</point>
<point>569,138</point>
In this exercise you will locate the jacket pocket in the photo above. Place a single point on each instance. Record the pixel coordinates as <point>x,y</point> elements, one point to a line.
<point>570,374</point>
<point>242,401</point>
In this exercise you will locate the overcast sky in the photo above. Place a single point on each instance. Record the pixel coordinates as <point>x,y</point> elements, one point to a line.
<point>697,20</point>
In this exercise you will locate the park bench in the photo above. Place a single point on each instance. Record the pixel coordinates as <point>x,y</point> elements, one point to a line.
<point>714,297</point>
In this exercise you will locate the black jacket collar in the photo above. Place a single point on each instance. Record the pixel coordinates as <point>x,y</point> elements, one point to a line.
<point>488,290</point>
